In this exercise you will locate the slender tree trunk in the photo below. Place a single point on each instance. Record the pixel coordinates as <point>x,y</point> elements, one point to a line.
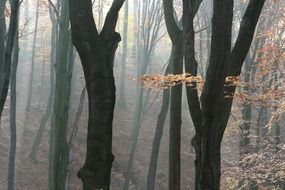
<point>158,134</point>
<point>59,148</point>
<point>246,115</point>
<point>146,38</point>
<point>135,29</point>
<point>45,117</point>
<point>122,100</point>
<point>277,135</point>
<point>175,119</point>
<point>191,66</point>
<point>75,128</point>
<point>13,127</point>
<point>2,36</point>
<point>33,60</point>
<point>143,60</point>
<point>8,53</point>
<point>244,144</point>
<point>135,133</point>
<point>2,44</point>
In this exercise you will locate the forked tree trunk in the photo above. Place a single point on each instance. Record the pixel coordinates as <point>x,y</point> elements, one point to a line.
<point>97,52</point>
<point>210,114</point>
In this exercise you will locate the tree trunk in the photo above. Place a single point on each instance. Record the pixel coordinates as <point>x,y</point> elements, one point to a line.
<point>122,100</point>
<point>246,115</point>
<point>97,52</point>
<point>158,134</point>
<point>191,66</point>
<point>74,131</point>
<point>8,53</point>
<point>2,35</point>
<point>45,117</point>
<point>211,112</point>
<point>175,120</point>
<point>146,41</point>
<point>59,149</point>
<point>13,127</point>
<point>2,44</point>
<point>33,60</point>
<point>157,139</point>
<point>137,123</point>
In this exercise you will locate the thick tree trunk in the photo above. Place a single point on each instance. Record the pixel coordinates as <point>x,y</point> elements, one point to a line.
<point>101,100</point>
<point>213,96</point>
<point>97,52</point>
<point>210,164</point>
<point>97,168</point>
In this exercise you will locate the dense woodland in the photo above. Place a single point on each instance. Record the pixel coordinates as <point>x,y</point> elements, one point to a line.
<point>142,94</point>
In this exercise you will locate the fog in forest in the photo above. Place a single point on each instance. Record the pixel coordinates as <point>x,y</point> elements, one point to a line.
<point>208,86</point>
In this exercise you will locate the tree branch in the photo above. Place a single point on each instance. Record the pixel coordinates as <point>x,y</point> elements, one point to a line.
<point>54,9</point>
<point>170,20</point>
<point>245,36</point>
<point>111,19</point>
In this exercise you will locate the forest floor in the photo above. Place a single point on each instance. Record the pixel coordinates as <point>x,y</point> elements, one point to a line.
<point>31,175</point>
